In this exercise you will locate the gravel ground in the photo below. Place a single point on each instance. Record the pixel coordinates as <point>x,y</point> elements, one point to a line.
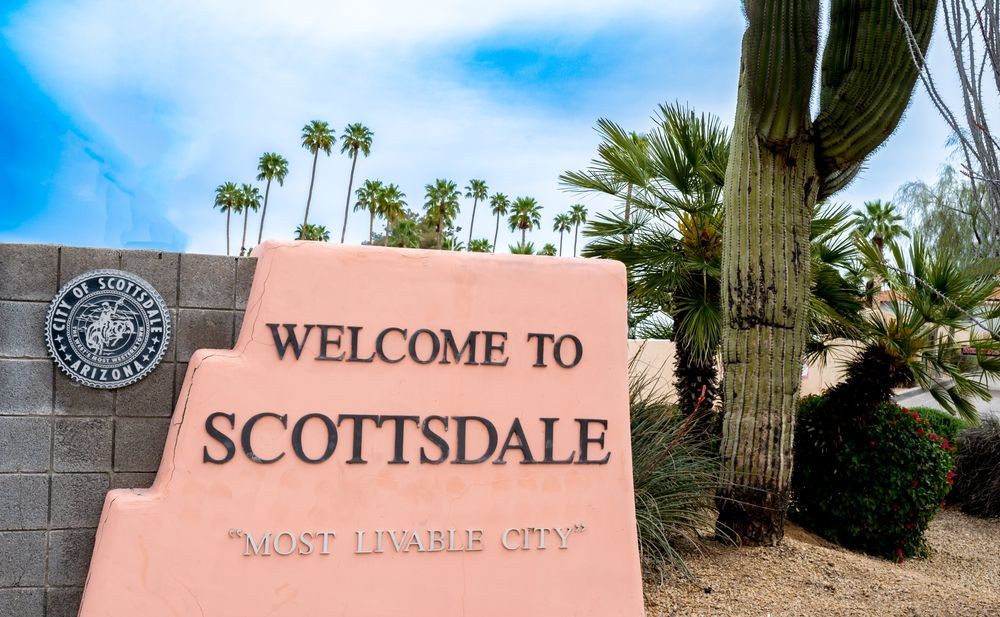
<point>808,576</point>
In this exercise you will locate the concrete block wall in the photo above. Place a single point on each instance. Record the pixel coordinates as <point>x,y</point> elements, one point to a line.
<point>63,445</point>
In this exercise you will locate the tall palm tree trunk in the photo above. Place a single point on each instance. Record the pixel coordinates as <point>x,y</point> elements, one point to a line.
<point>576,234</point>
<point>229,215</point>
<point>524,232</point>
<point>347,204</point>
<point>765,295</point>
<point>389,224</point>
<point>560,243</point>
<point>496,234</point>
<point>440,230</point>
<point>371,226</point>
<point>267,191</point>
<point>472,223</point>
<point>312,179</point>
<point>243,242</point>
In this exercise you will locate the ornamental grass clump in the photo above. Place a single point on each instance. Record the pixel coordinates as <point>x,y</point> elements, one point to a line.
<point>675,474</point>
<point>876,484</point>
<point>977,468</point>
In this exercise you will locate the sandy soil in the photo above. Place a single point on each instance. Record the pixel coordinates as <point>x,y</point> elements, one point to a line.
<point>808,576</point>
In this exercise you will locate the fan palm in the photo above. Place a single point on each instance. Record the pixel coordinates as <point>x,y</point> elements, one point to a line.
<point>476,190</point>
<point>524,248</point>
<point>369,197</point>
<point>562,223</point>
<point>271,166</point>
<point>393,206</point>
<point>578,215</point>
<point>525,215</point>
<point>356,138</point>
<point>249,200</point>
<point>405,233</point>
<point>499,204</point>
<point>308,231</point>
<point>480,245</point>
<point>316,136</point>
<point>441,203</point>
<point>227,199</point>
<point>880,222</point>
<point>548,250</point>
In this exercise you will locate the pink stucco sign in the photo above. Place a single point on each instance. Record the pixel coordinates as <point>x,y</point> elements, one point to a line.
<point>395,433</point>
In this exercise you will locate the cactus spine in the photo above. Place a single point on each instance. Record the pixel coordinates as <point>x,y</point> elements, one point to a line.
<point>782,161</point>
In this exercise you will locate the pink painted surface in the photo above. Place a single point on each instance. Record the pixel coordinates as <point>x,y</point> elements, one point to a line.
<point>166,551</point>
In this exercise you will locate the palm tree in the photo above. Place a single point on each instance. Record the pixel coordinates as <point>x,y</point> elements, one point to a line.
<point>880,222</point>
<point>356,138</point>
<point>369,197</point>
<point>249,200</point>
<point>563,223</point>
<point>525,215</point>
<point>227,199</point>
<point>442,204</point>
<point>308,231</point>
<point>477,190</point>
<point>393,207</point>
<point>578,215</point>
<point>522,249</point>
<point>548,250</point>
<point>316,136</point>
<point>480,245</point>
<point>405,233</point>
<point>499,204</point>
<point>271,166</point>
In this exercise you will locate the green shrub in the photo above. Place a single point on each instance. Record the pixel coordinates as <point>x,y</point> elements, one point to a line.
<point>977,469</point>
<point>943,424</point>
<point>675,474</point>
<point>875,484</point>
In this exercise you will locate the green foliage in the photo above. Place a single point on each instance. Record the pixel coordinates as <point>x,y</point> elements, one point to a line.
<point>977,468</point>
<point>309,231</point>
<point>943,424</point>
<point>480,245</point>
<point>548,250</point>
<point>528,248</point>
<point>880,222</point>
<point>947,213</point>
<point>872,485</point>
<point>674,472</point>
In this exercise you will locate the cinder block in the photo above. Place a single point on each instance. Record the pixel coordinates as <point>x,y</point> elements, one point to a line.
<point>139,443</point>
<point>22,602</point>
<point>158,268</point>
<point>132,480</point>
<point>153,395</point>
<point>22,334</point>
<point>22,558</point>
<point>77,499</point>
<point>63,601</point>
<point>203,329</point>
<point>26,386</point>
<point>207,281</point>
<point>29,271</point>
<point>245,267</point>
<point>25,444</point>
<point>82,444</point>
<point>74,261</point>
<point>69,555</point>
<point>24,501</point>
<point>75,399</point>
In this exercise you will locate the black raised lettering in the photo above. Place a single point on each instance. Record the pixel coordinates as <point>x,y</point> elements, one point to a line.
<point>586,440</point>
<point>221,437</point>
<point>436,439</point>
<point>491,446</point>
<point>358,437</point>
<point>450,343</point>
<point>325,341</point>
<point>522,444</point>
<point>291,339</point>
<point>248,431</point>
<point>398,435</point>
<point>331,438</point>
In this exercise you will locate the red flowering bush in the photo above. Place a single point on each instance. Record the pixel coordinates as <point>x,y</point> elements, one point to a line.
<point>873,484</point>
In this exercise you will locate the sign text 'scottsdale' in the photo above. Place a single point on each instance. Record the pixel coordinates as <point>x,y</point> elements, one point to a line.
<point>422,346</point>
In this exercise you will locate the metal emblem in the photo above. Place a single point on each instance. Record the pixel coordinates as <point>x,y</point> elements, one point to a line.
<point>107,328</point>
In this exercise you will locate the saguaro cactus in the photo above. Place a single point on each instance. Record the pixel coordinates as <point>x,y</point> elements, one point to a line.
<point>782,161</point>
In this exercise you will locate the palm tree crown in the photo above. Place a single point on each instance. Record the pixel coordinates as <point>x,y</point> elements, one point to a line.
<point>441,202</point>
<point>499,204</point>
<point>477,191</point>
<point>561,224</point>
<point>271,166</point>
<point>316,136</point>
<point>369,197</point>
<point>315,233</point>
<point>525,215</point>
<point>356,138</point>
<point>880,222</point>
<point>227,199</point>
<point>578,216</point>
<point>249,198</point>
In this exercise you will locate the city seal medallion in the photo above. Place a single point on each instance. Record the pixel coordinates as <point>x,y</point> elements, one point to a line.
<point>107,328</point>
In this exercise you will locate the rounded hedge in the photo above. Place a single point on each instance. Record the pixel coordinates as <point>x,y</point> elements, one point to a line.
<point>871,483</point>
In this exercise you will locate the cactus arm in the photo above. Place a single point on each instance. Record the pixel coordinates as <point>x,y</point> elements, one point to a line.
<point>838,179</point>
<point>779,59</point>
<point>868,75</point>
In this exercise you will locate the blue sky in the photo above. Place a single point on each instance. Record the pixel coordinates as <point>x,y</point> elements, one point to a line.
<point>119,118</point>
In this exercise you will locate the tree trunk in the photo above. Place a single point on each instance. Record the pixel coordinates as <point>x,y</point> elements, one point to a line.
<point>696,382</point>
<point>371,226</point>
<point>347,204</point>
<point>769,198</point>
<point>560,243</point>
<point>312,179</point>
<point>263,214</point>
<point>243,242</point>
<point>496,234</point>
<point>229,215</point>
<point>472,222</point>
<point>524,232</point>
<point>576,234</point>
<point>440,228</point>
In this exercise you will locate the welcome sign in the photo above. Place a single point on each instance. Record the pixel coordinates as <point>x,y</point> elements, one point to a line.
<point>395,433</point>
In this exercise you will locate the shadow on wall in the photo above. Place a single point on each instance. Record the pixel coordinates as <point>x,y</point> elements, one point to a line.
<point>654,358</point>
